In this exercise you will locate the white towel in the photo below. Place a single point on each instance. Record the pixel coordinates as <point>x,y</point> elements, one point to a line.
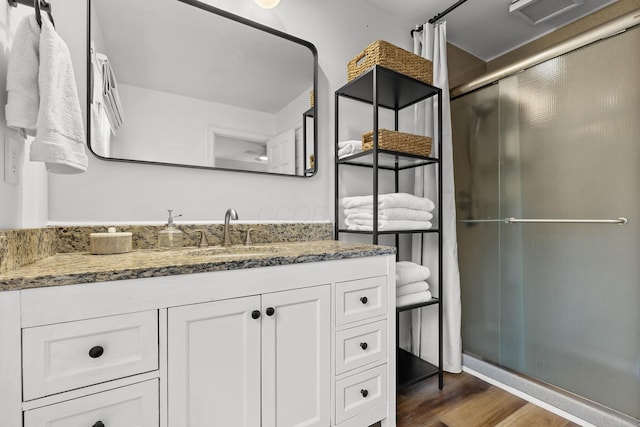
<point>389,213</point>
<point>113,106</point>
<point>410,272</point>
<point>60,137</point>
<point>346,148</point>
<point>23,98</point>
<point>393,200</point>
<point>350,142</point>
<point>386,224</point>
<point>412,288</point>
<point>410,299</point>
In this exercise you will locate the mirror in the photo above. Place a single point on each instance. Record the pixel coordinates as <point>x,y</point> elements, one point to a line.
<point>182,83</point>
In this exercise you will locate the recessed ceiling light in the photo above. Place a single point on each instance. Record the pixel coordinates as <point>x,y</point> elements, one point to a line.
<point>536,11</point>
<point>267,4</point>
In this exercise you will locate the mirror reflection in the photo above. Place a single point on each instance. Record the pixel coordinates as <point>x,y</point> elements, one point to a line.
<point>182,83</point>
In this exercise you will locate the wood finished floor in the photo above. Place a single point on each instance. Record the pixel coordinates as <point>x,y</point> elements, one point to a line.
<point>467,401</point>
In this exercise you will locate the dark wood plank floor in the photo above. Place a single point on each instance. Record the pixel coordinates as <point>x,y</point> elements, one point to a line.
<point>467,401</point>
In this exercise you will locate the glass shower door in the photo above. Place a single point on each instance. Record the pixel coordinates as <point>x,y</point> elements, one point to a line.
<point>558,302</point>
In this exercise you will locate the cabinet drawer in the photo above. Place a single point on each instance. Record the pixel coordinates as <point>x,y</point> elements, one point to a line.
<point>359,346</point>
<point>361,299</point>
<point>361,392</point>
<point>65,356</point>
<point>132,406</point>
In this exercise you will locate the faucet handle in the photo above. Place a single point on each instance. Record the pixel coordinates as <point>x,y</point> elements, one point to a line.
<point>204,241</point>
<point>248,241</point>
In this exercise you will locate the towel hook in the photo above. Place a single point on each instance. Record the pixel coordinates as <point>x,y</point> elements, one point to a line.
<point>39,5</point>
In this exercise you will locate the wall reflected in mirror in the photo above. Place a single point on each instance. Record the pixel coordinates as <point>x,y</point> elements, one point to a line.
<point>179,82</point>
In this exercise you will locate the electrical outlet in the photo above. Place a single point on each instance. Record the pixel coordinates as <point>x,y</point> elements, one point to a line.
<point>13,158</point>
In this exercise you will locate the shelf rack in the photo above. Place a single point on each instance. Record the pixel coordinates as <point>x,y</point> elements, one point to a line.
<point>385,88</point>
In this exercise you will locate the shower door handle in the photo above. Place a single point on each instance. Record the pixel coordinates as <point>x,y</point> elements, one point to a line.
<point>618,221</point>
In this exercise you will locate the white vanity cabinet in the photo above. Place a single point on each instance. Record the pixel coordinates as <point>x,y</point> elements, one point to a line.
<point>303,344</point>
<point>253,361</point>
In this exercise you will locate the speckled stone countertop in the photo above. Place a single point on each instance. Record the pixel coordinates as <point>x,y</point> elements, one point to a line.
<point>82,267</point>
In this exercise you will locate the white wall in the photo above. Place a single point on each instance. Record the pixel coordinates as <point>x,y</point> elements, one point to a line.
<point>23,205</point>
<point>153,131</point>
<point>114,191</point>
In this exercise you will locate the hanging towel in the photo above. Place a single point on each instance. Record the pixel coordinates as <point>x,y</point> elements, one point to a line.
<point>410,272</point>
<point>410,299</point>
<point>110,96</point>
<point>412,288</point>
<point>60,137</point>
<point>23,98</point>
<point>386,224</point>
<point>389,213</point>
<point>393,200</point>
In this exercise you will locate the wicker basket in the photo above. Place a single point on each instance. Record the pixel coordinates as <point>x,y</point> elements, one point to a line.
<point>390,56</point>
<point>312,99</point>
<point>398,141</point>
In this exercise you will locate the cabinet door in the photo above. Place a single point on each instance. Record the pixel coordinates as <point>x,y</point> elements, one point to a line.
<point>296,358</point>
<point>214,364</point>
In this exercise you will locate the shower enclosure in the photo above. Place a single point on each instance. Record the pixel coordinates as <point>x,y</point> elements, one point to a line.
<point>553,300</point>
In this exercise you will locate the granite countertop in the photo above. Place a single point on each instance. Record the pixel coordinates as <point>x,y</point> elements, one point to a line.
<point>82,267</point>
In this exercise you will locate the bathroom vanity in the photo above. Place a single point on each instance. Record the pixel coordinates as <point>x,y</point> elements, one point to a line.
<point>297,334</point>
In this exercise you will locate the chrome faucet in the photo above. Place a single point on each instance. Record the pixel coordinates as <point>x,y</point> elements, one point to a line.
<point>230,214</point>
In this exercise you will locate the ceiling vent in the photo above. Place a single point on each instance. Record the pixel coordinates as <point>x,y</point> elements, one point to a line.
<point>536,11</point>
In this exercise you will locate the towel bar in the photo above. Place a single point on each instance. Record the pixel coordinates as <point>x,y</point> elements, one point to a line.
<point>512,220</point>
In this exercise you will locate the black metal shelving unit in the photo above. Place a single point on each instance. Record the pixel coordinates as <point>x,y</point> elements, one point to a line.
<point>385,88</point>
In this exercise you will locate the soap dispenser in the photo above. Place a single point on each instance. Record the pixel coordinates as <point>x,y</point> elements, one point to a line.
<point>170,237</point>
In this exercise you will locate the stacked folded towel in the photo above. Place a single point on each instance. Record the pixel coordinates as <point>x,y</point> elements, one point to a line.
<point>411,283</point>
<point>396,211</point>
<point>347,148</point>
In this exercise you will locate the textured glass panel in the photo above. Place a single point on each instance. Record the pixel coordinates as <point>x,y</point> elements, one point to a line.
<point>577,156</point>
<point>558,302</point>
<point>475,141</point>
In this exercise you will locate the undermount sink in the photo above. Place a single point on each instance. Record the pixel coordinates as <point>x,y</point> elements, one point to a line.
<point>220,251</point>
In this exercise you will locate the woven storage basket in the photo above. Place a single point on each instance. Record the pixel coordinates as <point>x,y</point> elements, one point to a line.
<point>398,141</point>
<point>390,56</point>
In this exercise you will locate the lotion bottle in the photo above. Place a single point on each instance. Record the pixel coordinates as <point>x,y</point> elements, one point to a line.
<point>170,237</point>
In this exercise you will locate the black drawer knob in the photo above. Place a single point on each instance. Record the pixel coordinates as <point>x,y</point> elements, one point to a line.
<point>364,345</point>
<point>364,300</point>
<point>270,311</point>
<point>255,314</point>
<point>364,393</point>
<point>96,352</point>
<point>99,424</point>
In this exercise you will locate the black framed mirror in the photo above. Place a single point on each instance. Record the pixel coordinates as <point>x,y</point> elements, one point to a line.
<point>183,83</point>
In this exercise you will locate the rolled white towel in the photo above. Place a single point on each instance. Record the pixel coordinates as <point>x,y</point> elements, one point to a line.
<point>415,298</point>
<point>412,288</point>
<point>346,148</point>
<point>410,272</point>
<point>350,142</point>
<point>389,213</point>
<point>393,200</point>
<point>386,224</point>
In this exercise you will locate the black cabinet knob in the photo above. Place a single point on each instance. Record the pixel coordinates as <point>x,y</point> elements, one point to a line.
<point>364,300</point>
<point>364,393</point>
<point>364,345</point>
<point>96,352</point>
<point>99,424</point>
<point>255,314</point>
<point>270,311</point>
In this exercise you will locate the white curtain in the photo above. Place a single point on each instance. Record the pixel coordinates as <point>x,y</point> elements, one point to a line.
<point>431,43</point>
